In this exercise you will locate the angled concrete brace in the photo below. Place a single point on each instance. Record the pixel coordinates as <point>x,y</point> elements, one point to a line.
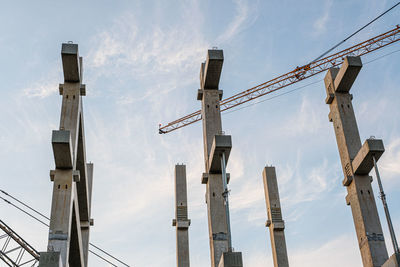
<point>72,177</point>
<point>355,163</point>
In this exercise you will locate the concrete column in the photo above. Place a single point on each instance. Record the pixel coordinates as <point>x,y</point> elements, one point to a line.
<point>360,195</point>
<point>210,96</point>
<point>70,212</point>
<point>231,259</point>
<point>181,220</point>
<point>275,223</point>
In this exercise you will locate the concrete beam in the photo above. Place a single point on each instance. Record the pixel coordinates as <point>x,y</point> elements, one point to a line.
<point>363,163</point>
<point>62,149</point>
<point>70,60</point>
<point>231,259</point>
<point>347,74</point>
<point>221,143</point>
<point>210,71</point>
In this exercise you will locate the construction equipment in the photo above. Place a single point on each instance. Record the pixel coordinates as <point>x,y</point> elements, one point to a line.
<point>15,251</point>
<point>298,74</point>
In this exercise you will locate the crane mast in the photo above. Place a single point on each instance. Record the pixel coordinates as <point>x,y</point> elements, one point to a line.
<point>292,77</point>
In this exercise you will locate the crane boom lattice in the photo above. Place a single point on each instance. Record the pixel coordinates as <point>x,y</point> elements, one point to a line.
<point>296,75</point>
<point>14,250</point>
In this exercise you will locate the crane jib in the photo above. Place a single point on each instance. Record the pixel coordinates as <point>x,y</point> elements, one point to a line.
<point>298,74</point>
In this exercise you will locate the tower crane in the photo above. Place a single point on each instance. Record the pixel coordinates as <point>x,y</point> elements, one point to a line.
<point>292,77</point>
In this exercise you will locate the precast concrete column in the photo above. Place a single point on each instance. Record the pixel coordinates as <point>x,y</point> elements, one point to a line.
<point>70,209</point>
<point>181,220</point>
<point>215,143</point>
<point>360,195</point>
<point>275,222</point>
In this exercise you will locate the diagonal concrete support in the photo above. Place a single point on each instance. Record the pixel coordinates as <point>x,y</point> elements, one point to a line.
<point>215,144</point>
<point>72,177</point>
<point>181,220</point>
<point>360,196</point>
<point>275,222</point>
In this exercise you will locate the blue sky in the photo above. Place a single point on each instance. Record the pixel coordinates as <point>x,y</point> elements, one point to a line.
<point>141,68</point>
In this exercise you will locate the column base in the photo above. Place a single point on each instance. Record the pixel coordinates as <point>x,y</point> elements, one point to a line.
<point>50,259</point>
<point>231,259</point>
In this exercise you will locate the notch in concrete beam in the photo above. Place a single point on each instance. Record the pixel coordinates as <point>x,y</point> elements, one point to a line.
<point>210,72</point>
<point>204,178</point>
<point>347,74</point>
<point>363,163</point>
<point>70,60</point>
<point>329,81</point>
<point>62,149</point>
<point>221,143</point>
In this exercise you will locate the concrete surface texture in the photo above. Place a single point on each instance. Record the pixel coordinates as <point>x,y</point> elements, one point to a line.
<point>360,196</point>
<point>181,220</point>
<point>210,95</point>
<point>73,176</point>
<point>275,222</point>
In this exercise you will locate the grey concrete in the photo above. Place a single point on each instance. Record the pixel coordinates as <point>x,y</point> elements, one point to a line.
<point>73,177</point>
<point>181,220</point>
<point>221,143</point>
<point>231,259</point>
<point>62,149</point>
<point>360,195</point>
<point>210,72</point>
<point>275,222</point>
<point>50,259</point>
<point>363,162</point>
<point>70,60</point>
<point>204,178</point>
<point>393,261</point>
<point>217,223</point>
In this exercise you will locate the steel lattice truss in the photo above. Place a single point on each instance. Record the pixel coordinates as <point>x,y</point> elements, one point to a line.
<point>14,250</point>
<point>298,74</point>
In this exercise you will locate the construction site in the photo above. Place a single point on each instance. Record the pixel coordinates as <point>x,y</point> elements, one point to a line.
<point>194,133</point>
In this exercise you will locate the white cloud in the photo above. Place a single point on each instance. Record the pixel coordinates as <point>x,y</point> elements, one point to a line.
<point>43,88</point>
<point>390,160</point>
<point>341,251</point>
<point>322,21</point>
<point>246,15</point>
<point>307,120</point>
<point>145,52</point>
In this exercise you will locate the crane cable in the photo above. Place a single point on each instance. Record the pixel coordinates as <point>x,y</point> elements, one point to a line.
<point>351,35</point>
<point>44,216</point>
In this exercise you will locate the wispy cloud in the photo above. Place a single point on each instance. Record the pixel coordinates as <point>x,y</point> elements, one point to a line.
<point>390,159</point>
<point>43,88</point>
<point>322,21</point>
<point>246,15</point>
